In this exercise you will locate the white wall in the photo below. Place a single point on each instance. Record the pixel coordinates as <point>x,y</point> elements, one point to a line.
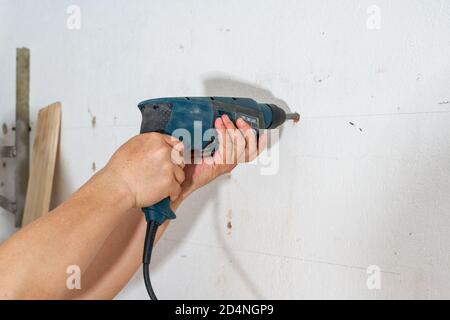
<point>343,199</point>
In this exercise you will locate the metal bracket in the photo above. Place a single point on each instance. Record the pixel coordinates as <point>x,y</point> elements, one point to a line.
<point>8,152</point>
<point>21,150</point>
<point>7,205</point>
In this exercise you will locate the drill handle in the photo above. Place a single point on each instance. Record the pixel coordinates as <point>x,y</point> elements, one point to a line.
<point>154,119</point>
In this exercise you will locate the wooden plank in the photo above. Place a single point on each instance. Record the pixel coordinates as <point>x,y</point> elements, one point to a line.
<point>43,162</point>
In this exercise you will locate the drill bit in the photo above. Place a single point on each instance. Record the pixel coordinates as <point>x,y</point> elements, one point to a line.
<point>293,116</point>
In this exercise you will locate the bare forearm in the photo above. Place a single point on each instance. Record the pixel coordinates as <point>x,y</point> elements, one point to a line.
<point>118,259</point>
<point>34,261</point>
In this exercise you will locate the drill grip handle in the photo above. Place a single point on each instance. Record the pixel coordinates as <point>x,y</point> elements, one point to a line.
<point>155,117</point>
<point>159,212</point>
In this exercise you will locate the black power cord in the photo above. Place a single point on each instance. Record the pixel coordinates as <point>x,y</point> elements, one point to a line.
<point>150,234</point>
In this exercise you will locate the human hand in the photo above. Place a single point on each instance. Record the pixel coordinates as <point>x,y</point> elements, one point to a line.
<point>144,167</point>
<point>236,145</point>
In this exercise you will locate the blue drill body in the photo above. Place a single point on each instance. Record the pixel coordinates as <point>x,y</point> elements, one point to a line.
<point>167,115</point>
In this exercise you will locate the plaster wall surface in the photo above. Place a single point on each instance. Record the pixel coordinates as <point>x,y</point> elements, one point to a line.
<point>362,180</point>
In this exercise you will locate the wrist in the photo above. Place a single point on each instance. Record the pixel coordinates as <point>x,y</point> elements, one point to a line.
<point>177,202</point>
<point>112,189</point>
<point>185,192</point>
